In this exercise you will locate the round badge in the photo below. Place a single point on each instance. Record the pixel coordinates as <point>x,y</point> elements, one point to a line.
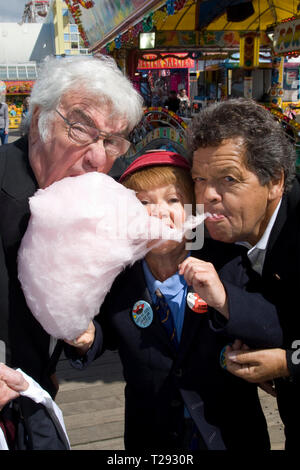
<point>222,357</point>
<point>195,303</point>
<point>142,314</point>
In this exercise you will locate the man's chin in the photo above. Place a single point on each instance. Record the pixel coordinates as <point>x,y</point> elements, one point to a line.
<point>221,236</point>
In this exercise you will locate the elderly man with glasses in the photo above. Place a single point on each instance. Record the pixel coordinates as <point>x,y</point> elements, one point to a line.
<point>81,112</point>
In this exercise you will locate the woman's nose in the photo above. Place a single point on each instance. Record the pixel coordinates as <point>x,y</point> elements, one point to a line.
<point>159,210</point>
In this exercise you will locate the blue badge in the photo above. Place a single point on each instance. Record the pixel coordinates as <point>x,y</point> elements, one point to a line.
<point>142,314</point>
<point>222,357</point>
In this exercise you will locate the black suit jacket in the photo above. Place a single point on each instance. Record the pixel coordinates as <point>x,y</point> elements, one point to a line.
<point>27,344</point>
<point>253,299</point>
<point>160,381</point>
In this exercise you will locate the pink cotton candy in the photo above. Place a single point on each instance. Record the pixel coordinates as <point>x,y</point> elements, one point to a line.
<point>82,232</point>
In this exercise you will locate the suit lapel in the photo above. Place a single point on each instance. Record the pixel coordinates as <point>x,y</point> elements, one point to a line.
<point>282,229</point>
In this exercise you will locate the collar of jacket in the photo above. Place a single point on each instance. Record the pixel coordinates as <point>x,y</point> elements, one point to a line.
<point>18,179</point>
<point>284,229</point>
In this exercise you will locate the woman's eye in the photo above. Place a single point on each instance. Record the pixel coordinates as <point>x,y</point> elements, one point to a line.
<point>173,200</point>
<point>144,202</point>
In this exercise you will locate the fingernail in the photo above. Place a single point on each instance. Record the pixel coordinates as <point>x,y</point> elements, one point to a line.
<point>232,356</point>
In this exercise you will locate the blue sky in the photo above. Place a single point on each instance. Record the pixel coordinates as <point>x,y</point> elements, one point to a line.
<point>11,10</point>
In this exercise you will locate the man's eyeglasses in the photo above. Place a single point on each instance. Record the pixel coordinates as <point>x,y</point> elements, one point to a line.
<point>82,134</point>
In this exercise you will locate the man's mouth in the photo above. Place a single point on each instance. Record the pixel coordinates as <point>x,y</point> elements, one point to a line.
<point>214,217</point>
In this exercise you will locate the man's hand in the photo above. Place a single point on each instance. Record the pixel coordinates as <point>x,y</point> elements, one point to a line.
<point>85,340</point>
<point>12,383</point>
<point>260,365</point>
<point>205,281</point>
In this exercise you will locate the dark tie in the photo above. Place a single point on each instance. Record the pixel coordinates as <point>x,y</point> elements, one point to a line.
<point>166,317</point>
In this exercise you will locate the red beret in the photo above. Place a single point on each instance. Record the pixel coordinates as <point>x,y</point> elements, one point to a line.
<point>154,158</point>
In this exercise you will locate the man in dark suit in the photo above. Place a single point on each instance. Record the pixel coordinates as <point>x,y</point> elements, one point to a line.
<point>81,110</point>
<point>172,103</point>
<point>244,174</point>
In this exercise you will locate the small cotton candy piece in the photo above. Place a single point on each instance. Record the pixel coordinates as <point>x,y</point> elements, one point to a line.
<point>83,231</point>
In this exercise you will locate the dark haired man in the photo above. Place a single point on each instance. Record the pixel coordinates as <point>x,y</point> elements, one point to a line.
<point>172,102</point>
<point>244,174</point>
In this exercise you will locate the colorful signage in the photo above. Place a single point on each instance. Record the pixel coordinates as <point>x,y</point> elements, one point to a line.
<point>249,51</point>
<point>177,38</point>
<point>196,38</point>
<point>177,61</point>
<point>105,16</point>
<point>219,39</point>
<point>287,37</point>
<point>18,87</point>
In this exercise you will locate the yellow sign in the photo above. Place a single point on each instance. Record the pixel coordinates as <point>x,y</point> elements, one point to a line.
<point>249,51</point>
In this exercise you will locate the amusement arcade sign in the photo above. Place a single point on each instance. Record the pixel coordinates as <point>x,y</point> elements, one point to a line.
<point>176,62</point>
<point>287,37</point>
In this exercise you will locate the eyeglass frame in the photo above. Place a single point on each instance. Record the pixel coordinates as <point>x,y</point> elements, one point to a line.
<point>101,135</point>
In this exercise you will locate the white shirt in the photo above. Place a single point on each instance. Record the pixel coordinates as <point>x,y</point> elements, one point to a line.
<point>257,253</point>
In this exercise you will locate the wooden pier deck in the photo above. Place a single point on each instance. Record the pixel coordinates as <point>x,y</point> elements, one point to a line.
<point>92,402</point>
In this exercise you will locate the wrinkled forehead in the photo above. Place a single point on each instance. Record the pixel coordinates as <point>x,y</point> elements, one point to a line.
<point>97,109</point>
<point>92,105</point>
<point>227,148</point>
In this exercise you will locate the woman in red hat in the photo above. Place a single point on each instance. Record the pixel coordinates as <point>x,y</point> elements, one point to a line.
<point>177,396</point>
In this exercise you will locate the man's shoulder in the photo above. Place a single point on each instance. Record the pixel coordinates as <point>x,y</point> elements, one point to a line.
<point>16,176</point>
<point>17,148</point>
<point>289,211</point>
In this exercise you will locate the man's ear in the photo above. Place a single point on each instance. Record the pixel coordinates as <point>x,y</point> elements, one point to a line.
<point>34,127</point>
<point>276,187</point>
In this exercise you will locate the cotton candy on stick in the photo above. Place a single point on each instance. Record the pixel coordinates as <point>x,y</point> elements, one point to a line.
<point>81,234</point>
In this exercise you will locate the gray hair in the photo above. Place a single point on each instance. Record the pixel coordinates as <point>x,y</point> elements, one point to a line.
<point>268,150</point>
<point>98,78</point>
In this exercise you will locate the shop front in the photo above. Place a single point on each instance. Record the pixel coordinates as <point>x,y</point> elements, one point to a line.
<point>16,93</point>
<point>156,78</point>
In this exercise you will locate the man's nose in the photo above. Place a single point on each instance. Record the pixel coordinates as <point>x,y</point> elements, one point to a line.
<point>96,159</point>
<point>209,194</point>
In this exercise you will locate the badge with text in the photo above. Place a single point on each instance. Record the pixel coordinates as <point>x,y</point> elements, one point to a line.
<point>195,303</point>
<point>142,314</point>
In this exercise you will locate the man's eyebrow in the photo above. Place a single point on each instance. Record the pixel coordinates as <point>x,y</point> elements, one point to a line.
<point>79,114</point>
<point>231,170</point>
<point>221,171</point>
